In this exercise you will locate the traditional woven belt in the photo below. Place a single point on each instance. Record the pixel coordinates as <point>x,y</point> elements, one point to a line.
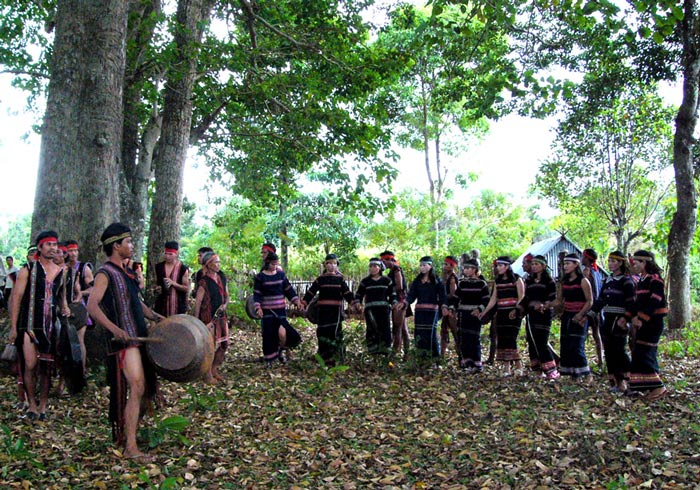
<point>615,309</point>
<point>376,303</point>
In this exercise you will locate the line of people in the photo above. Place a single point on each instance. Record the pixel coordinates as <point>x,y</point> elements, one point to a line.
<point>627,307</point>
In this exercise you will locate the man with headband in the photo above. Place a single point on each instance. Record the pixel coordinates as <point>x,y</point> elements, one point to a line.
<point>594,274</point>
<point>33,322</point>
<point>196,276</point>
<point>449,322</point>
<point>115,304</point>
<point>84,276</point>
<point>172,282</point>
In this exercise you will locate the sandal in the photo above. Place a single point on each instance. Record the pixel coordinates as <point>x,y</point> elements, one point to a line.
<point>656,394</point>
<point>30,415</point>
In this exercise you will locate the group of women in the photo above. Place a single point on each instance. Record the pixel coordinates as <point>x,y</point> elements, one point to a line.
<point>630,307</point>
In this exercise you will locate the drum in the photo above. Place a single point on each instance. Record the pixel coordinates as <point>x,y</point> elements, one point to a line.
<point>312,311</point>
<point>185,350</point>
<point>250,308</point>
<point>78,314</point>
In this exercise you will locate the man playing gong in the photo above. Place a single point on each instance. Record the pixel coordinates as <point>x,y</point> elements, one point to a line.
<point>114,303</point>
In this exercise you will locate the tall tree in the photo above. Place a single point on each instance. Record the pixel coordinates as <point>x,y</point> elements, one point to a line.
<point>457,69</point>
<point>680,238</point>
<point>607,161</point>
<point>78,181</point>
<point>166,214</point>
<point>143,117</point>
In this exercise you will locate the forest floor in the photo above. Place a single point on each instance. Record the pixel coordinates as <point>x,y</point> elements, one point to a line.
<point>372,424</point>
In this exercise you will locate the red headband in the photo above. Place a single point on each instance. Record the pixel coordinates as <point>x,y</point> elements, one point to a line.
<point>63,248</point>
<point>267,248</point>
<point>387,256</point>
<point>451,261</point>
<point>170,251</point>
<point>72,246</point>
<point>48,239</point>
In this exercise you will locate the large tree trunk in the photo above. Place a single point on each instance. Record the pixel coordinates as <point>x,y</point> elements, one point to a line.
<point>166,214</point>
<point>139,136</point>
<point>78,183</point>
<point>683,226</point>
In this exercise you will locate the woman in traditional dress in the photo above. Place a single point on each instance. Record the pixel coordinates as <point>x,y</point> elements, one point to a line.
<point>271,286</point>
<point>540,293</point>
<point>508,292</point>
<point>577,298</point>
<point>210,307</point>
<point>332,290</point>
<point>428,291</point>
<point>615,304</point>
<point>470,299</point>
<point>377,292</point>
<point>648,322</point>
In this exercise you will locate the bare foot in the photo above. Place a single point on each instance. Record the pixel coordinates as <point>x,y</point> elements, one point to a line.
<point>139,457</point>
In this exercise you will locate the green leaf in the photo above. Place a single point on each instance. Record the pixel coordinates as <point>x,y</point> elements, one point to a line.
<point>589,8</point>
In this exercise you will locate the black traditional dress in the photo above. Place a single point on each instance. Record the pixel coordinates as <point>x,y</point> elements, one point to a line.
<point>429,297</point>
<point>574,362</point>
<point>539,323</point>
<point>378,296</point>
<point>38,318</point>
<point>472,295</point>
<point>332,291</point>
<point>616,300</point>
<point>651,309</point>
<point>507,329</point>
<point>269,293</point>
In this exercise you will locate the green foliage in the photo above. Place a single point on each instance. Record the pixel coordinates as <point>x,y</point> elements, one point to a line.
<point>199,402</point>
<point>683,343</point>
<point>608,160</point>
<point>15,237</point>
<point>17,451</point>
<point>325,374</point>
<point>296,97</point>
<point>169,427</point>
<point>455,71</point>
<point>25,40</point>
<point>489,222</point>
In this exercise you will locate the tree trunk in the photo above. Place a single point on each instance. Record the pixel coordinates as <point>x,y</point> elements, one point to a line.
<point>680,237</point>
<point>166,214</point>
<point>138,142</point>
<point>78,180</point>
<point>284,241</point>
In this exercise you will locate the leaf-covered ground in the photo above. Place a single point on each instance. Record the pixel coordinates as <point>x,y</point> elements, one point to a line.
<point>373,425</point>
